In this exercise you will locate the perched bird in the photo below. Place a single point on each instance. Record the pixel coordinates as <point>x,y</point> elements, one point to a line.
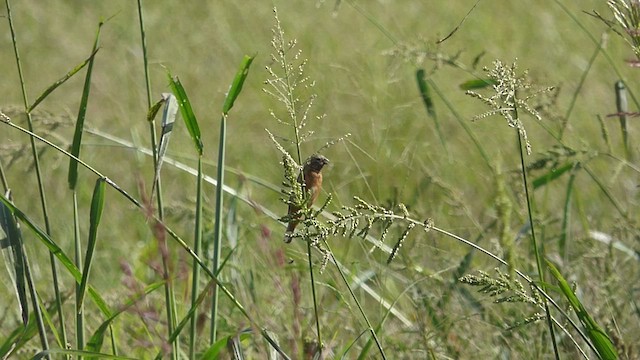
<point>311,186</point>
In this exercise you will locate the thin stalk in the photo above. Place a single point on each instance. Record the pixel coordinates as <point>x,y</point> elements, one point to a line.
<point>462,123</point>
<point>36,303</point>
<point>168,287</point>
<point>533,238</point>
<point>41,192</point>
<point>313,294</point>
<point>576,92</point>
<point>217,233</point>
<point>294,117</point>
<point>355,299</point>
<point>78,263</point>
<point>195,289</point>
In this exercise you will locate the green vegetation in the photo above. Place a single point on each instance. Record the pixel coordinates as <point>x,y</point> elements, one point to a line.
<point>442,231</point>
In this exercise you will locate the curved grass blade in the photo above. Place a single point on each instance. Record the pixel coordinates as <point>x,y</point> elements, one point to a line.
<point>62,80</point>
<point>596,334</point>
<point>77,136</point>
<point>23,334</point>
<point>187,112</point>
<point>11,240</point>
<point>238,81</point>
<point>57,251</point>
<point>97,339</point>
<point>97,204</point>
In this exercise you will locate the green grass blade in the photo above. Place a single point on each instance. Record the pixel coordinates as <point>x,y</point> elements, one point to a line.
<point>11,239</point>
<point>238,81</point>
<point>57,251</point>
<point>566,216</point>
<point>553,174</point>
<point>476,84</point>
<point>77,136</point>
<point>62,80</point>
<point>187,112</point>
<point>234,91</point>
<point>427,99</point>
<point>424,93</point>
<point>97,205</point>
<point>22,334</point>
<point>597,335</point>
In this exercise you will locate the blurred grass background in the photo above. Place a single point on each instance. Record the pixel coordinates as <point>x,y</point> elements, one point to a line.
<point>394,154</point>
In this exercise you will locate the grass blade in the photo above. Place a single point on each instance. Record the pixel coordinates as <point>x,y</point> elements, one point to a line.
<point>187,112</point>
<point>77,136</point>
<point>12,239</point>
<point>57,252</point>
<point>97,205</point>
<point>238,81</point>
<point>234,91</point>
<point>62,80</point>
<point>597,335</point>
<point>424,93</point>
<point>566,216</point>
<point>553,174</point>
<point>476,84</point>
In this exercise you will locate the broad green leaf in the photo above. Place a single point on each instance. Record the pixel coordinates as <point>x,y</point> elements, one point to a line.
<point>238,81</point>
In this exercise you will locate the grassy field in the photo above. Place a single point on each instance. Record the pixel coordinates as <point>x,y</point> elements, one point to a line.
<point>499,254</point>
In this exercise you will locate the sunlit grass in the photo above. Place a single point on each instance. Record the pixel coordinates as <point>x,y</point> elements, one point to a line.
<point>413,161</point>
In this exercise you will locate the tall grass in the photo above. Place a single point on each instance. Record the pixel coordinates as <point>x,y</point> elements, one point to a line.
<point>419,209</point>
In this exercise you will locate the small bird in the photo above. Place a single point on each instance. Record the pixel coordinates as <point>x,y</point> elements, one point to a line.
<point>312,185</point>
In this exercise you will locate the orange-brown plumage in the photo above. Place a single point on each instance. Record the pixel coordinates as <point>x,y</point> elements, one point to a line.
<point>312,185</point>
